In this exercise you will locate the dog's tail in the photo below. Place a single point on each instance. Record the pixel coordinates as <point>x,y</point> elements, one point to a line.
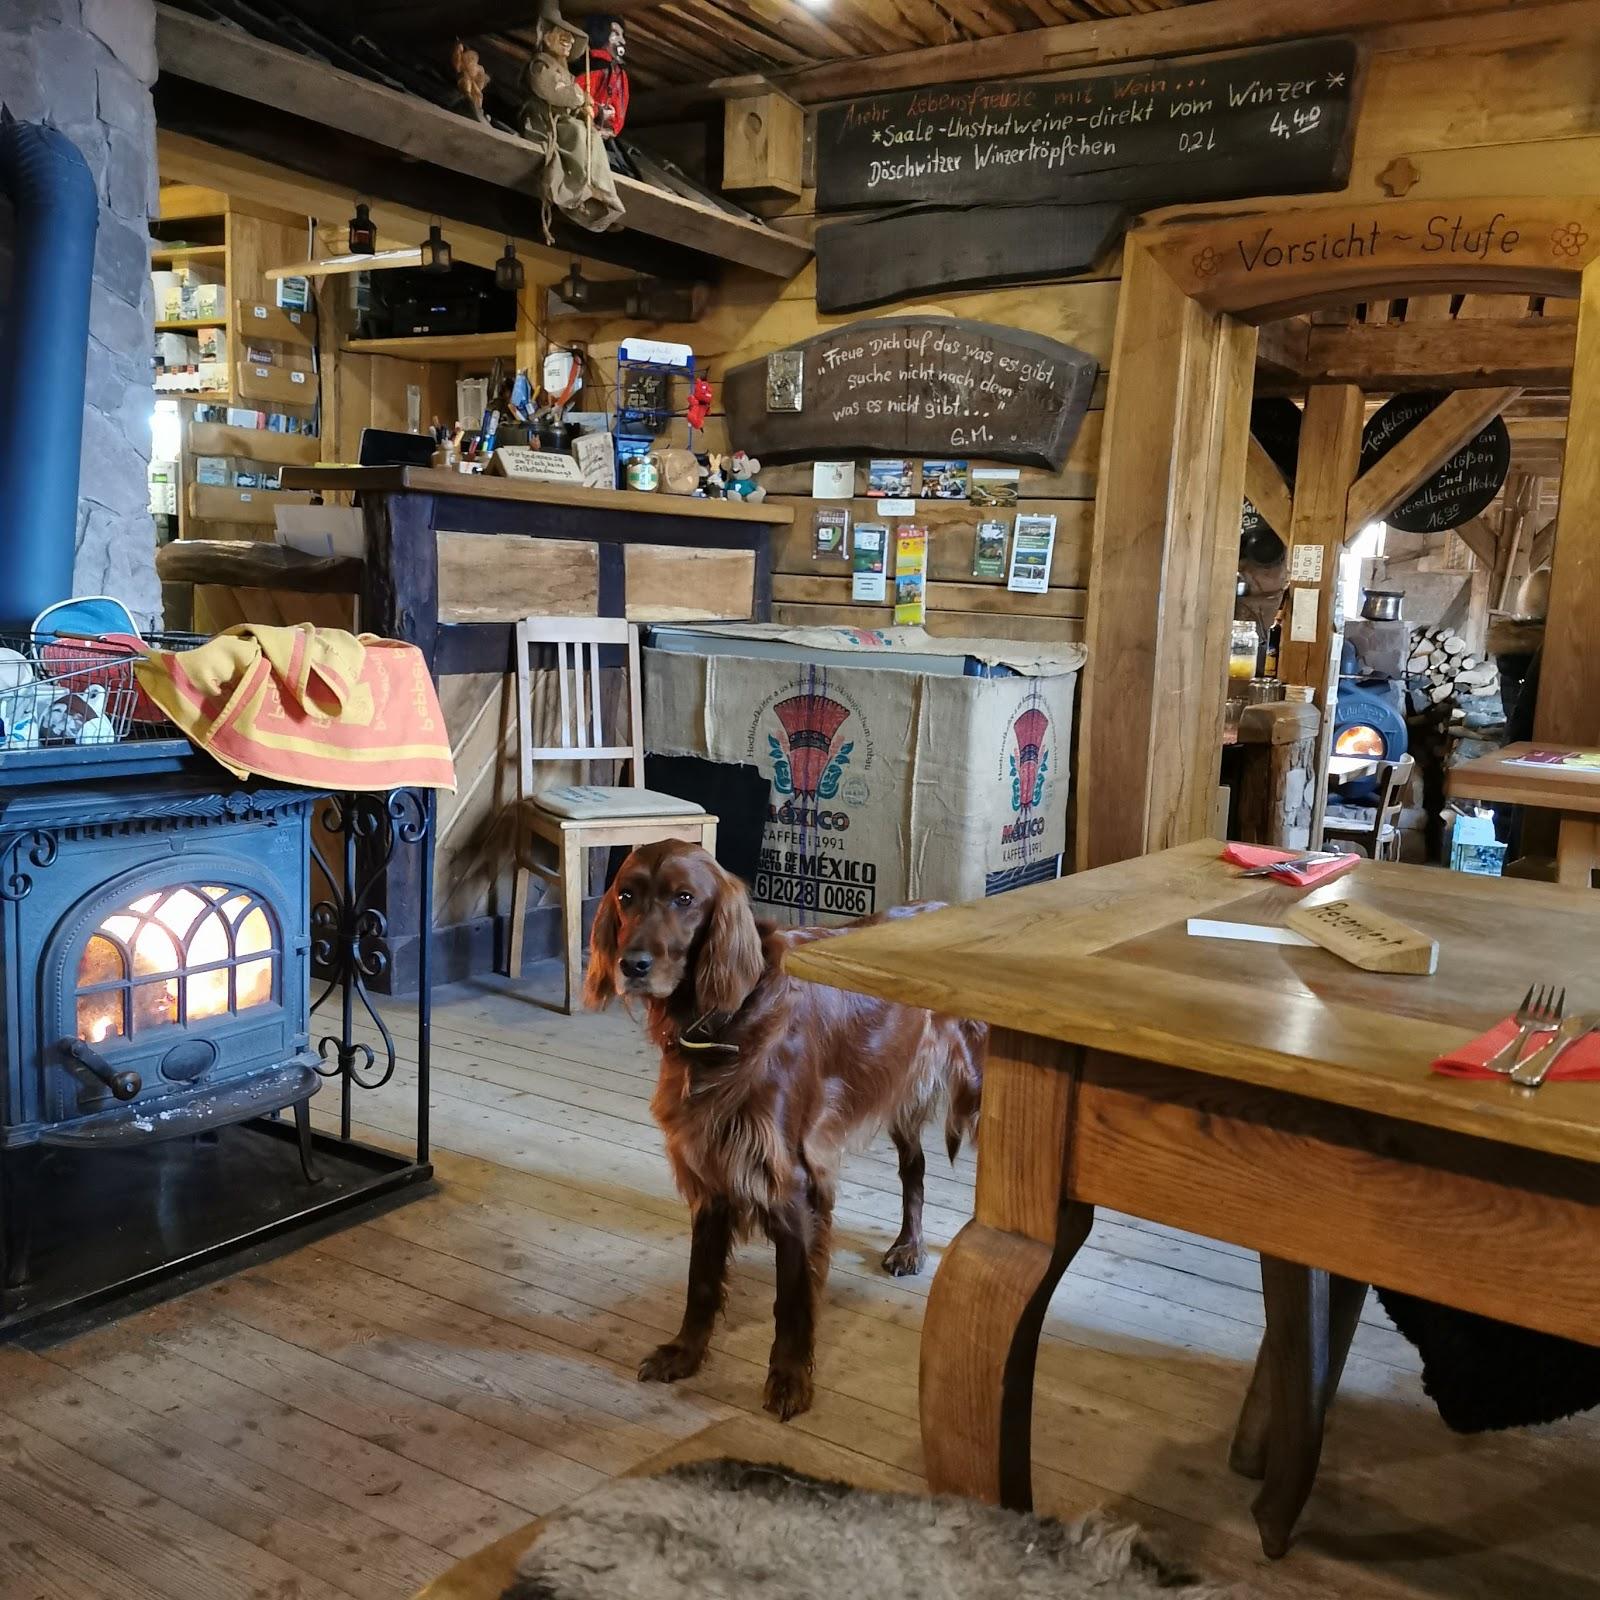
<point>964,1084</point>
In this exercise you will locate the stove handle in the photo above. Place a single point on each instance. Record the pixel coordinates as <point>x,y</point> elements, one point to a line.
<point>124,1085</point>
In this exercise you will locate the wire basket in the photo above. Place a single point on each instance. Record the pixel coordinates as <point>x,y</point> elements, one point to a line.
<point>58,689</point>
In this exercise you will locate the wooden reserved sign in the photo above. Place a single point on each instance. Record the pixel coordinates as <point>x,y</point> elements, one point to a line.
<point>1366,938</point>
<point>1270,121</point>
<point>918,386</point>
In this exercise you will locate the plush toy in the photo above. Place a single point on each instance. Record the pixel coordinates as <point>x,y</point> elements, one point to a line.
<point>606,79</point>
<point>471,79</point>
<point>699,403</point>
<point>742,483</point>
<point>714,479</point>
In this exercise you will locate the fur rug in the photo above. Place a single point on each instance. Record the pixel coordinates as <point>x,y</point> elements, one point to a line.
<point>734,1531</point>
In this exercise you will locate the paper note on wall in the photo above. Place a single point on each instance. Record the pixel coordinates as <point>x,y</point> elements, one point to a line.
<point>1303,616</point>
<point>1305,563</point>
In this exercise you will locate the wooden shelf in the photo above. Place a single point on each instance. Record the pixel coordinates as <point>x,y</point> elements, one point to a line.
<point>190,327</point>
<point>438,347</point>
<point>285,386</point>
<point>219,503</point>
<point>177,255</point>
<point>254,444</point>
<point>224,396</point>
<point>477,485</point>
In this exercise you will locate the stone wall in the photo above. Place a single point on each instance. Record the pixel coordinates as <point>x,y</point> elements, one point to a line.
<point>86,66</point>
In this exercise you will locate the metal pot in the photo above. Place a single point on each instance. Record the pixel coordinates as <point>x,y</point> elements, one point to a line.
<point>1383,605</point>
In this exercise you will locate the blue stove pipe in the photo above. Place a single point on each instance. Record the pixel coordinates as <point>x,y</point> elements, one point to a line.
<point>44,351</point>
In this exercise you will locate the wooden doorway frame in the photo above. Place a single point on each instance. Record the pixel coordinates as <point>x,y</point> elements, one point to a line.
<point>1173,466</point>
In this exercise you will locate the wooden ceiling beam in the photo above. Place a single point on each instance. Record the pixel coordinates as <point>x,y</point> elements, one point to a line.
<point>1388,481</point>
<point>1268,489</point>
<point>1447,355</point>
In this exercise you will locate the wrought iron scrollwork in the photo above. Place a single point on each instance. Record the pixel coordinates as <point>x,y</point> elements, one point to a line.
<point>39,847</point>
<point>350,943</point>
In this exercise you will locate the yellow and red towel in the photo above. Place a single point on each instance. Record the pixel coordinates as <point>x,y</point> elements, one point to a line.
<point>307,705</point>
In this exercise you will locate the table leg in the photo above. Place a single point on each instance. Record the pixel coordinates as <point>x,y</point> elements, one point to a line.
<point>1311,1319</point>
<point>987,1303</point>
<point>1577,851</point>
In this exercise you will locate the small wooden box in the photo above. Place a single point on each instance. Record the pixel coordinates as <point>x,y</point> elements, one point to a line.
<point>763,151</point>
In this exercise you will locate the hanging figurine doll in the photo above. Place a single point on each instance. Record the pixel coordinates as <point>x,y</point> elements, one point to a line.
<point>605,77</point>
<point>577,177</point>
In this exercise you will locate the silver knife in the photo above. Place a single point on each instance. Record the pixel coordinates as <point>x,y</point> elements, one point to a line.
<point>1532,1072</point>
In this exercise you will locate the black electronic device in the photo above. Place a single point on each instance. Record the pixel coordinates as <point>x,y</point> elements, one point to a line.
<point>382,447</point>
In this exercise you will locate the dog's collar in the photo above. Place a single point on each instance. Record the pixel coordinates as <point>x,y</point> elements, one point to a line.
<point>698,1038</point>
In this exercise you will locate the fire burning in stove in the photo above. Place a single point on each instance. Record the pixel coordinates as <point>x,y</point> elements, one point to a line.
<point>175,957</point>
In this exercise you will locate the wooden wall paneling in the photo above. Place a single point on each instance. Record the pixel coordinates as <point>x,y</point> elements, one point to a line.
<point>674,583</point>
<point>1568,710</point>
<point>1147,753</point>
<point>503,577</point>
<point>1330,451</point>
<point>952,529</point>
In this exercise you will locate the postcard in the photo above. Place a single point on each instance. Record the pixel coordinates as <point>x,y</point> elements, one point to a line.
<point>889,479</point>
<point>944,480</point>
<point>994,486</point>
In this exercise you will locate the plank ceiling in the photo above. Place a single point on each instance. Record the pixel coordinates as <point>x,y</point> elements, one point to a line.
<point>693,41</point>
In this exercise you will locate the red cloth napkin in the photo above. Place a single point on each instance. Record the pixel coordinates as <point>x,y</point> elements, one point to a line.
<point>1581,1061</point>
<point>1260,855</point>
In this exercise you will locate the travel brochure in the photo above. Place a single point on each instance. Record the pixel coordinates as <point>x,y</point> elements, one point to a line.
<point>831,532</point>
<point>989,550</point>
<point>910,576</point>
<point>1032,544</point>
<point>867,562</point>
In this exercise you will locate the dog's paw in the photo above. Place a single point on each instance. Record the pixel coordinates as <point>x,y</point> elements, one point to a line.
<point>788,1392</point>
<point>671,1362</point>
<point>905,1259</point>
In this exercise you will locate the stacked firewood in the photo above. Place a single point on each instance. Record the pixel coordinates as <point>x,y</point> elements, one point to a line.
<point>1443,672</point>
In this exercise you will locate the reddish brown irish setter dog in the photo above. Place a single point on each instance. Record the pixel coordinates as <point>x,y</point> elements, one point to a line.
<point>764,1081</point>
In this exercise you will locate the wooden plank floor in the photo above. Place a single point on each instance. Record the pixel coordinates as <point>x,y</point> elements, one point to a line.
<point>353,1418</point>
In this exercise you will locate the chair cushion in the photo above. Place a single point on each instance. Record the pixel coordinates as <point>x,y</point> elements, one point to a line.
<point>584,801</point>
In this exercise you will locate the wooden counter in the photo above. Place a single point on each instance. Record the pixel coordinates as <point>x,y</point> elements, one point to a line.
<point>452,561</point>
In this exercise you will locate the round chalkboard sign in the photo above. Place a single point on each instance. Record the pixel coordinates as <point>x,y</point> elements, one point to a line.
<point>1463,488</point>
<point>1275,422</point>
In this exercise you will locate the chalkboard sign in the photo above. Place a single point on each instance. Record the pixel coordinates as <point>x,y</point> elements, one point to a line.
<point>1270,121</point>
<point>919,386</point>
<point>1463,488</point>
<point>1275,422</point>
<point>873,260</point>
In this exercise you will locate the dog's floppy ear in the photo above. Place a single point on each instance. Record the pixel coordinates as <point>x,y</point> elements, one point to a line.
<point>600,981</point>
<point>731,961</point>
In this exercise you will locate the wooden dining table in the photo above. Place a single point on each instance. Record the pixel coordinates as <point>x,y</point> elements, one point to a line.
<point>1264,1094</point>
<point>1503,776</point>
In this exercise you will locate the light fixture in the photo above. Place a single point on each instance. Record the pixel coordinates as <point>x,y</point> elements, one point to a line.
<point>508,273</point>
<point>363,238</point>
<point>435,251</point>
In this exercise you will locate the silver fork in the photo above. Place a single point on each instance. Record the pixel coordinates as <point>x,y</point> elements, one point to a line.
<point>1531,1073</point>
<point>1540,1012</point>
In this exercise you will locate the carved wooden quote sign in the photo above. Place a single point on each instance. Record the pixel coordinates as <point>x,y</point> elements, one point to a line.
<point>928,386</point>
<point>1270,121</point>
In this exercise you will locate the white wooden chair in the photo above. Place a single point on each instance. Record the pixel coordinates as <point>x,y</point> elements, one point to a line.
<point>577,818</point>
<point>1380,837</point>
